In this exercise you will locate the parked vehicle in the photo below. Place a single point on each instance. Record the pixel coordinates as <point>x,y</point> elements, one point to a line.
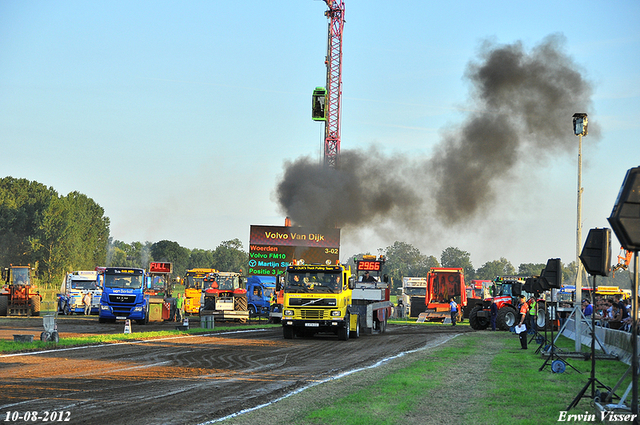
<point>123,295</point>
<point>73,290</point>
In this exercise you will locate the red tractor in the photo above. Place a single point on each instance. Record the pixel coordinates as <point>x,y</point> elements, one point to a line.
<point>18,297</point>
<point>506,290</point>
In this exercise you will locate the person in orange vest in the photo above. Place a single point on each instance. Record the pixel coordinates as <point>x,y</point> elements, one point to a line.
<point>524,310</point>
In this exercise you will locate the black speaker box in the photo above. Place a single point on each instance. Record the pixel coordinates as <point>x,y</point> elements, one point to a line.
<point>596,253</point>
<point>553,273</point>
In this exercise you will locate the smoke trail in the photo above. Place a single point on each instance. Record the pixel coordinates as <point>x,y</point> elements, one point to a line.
<point>360,190</point>
<point>523,104</point>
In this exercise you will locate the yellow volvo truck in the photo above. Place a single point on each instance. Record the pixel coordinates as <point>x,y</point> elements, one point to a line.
<point>330,299</point>
<point>193,289</point>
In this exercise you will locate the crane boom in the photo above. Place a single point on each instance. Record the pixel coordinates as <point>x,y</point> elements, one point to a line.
<point>335,14</point>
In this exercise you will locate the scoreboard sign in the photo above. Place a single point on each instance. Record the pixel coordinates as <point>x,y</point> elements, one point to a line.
<point>273,248</point>
<point>156,267</point>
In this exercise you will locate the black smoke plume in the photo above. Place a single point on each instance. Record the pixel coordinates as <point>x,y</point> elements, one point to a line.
<point>521,109</point>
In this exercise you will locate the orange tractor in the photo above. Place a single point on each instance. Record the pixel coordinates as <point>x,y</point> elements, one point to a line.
<point>18,296</point>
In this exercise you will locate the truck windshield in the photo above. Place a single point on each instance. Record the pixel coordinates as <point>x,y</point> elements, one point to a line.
<point>314,283</point>
<point>83,284</point>
<point>413,291</point>
<point>123,281</point>
<point>193,282</point>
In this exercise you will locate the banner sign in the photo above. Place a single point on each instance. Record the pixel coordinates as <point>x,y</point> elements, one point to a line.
<point>273,248</point>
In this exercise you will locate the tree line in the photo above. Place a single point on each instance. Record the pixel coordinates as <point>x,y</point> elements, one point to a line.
<point>57,234</point>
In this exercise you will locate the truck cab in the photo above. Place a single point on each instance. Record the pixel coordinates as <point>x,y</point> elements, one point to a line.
<point>73,289</point>
<point>328,299</point>
<point>123,295</point>
<point>259,292</point>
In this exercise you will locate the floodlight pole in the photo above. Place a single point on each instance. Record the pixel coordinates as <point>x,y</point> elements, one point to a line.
<point>579,271</point>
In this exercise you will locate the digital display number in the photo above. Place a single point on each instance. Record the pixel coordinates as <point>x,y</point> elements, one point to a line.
<point>369,265</point>
<point>160,267</point>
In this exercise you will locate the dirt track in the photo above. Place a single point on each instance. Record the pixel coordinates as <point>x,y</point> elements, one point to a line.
<point>186,379</point>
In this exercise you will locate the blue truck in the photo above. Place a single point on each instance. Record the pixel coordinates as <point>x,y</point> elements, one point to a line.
<point>123,295</point>
<point>259,290</point>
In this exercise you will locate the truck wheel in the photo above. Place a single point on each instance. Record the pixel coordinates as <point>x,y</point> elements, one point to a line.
<point>478,323</point>
<point>356,333</point>
<point>506,318</point>
<point>4,305</point>
<point>34,305</point>
<point>287,332</point>
<point>343,333</point>
<point>252,311</point>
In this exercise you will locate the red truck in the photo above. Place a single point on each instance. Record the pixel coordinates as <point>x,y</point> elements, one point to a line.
<point>444,283</point>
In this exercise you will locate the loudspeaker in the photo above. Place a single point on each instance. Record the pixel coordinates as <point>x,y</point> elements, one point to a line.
<point>625,217</point>
<point>596,253</point>
<point>535,285</point>
<point>552,273</point>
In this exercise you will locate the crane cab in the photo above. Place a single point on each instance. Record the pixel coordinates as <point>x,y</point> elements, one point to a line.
<point>318,104</point>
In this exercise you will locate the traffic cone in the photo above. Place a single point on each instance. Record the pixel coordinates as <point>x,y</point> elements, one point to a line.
<point>127,326</point>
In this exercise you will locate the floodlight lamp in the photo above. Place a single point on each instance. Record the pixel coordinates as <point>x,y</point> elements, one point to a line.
<point>580,122</point>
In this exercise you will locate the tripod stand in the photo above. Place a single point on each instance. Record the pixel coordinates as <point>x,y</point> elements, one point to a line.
<point>592,379</point>
<point>558,365</point>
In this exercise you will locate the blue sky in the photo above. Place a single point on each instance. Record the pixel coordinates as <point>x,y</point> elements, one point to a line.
<point>177,117</point>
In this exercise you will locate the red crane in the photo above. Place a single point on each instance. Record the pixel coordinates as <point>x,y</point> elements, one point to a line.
<point>335,14</point>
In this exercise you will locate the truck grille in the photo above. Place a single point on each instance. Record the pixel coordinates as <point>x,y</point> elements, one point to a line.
<point>314,314</point>
<point>313,302</point>
<point>122,299</point>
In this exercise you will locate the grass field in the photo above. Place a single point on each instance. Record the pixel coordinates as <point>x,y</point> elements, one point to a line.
<point>478,378</point>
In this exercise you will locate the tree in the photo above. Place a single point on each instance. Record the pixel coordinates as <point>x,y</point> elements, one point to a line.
<point>405,260</point>
<point>454,257</point>
<point>229,256</point>
<point>171,252</point>
<point>530,269</point>
<point>60,234</point>
<point>491,269</point>
<point>22,206</point>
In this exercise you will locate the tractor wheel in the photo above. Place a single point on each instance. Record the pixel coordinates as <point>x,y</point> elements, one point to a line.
<point>478,323</point>
<point>240,303</point>
<point>506,318</point>
<point>4,305</point>
<point>541,319</point>
<point>34,305</point>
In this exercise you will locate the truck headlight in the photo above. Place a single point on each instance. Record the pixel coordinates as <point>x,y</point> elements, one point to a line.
<point>104,307</point>
<point>139,308</point>
<point>288,312</point>
<point>335,313</point>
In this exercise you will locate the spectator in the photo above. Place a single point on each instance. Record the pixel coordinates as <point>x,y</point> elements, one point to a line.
<point>454,310</point>
<point>179,308</point>
<point>587,309</point>
<point>86,300</point>
<point>494,314</point>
